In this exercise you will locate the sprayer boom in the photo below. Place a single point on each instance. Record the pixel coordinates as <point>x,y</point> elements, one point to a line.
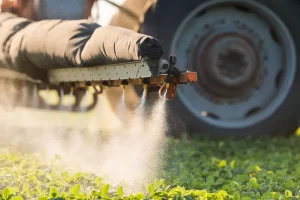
<point>147,72</point>
<point>155,75</point>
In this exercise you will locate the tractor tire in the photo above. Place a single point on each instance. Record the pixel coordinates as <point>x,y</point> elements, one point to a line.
<point>257,96</point>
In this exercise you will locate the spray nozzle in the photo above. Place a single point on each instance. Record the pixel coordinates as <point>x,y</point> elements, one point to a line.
<point>172,71</point>
<point>167,85</point>
<point>124,83</point>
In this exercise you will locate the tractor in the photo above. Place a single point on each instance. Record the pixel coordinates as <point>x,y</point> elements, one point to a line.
<point>243,51</point>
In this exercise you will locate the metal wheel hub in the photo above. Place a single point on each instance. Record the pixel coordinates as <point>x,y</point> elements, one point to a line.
<point>228,64</point>
<point>245,59</point>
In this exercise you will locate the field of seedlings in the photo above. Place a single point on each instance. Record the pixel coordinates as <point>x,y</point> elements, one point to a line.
<point>199,169</point>
<point>136,160</point>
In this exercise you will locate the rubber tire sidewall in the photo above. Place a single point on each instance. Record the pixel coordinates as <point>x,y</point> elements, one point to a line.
<point>162,24</point>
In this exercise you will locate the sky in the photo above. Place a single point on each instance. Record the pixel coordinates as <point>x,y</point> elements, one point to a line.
<point>106,10</point>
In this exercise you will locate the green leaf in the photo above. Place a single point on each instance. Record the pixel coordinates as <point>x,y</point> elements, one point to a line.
<point>38,188</point>
<point>43,198</point>
<point>151,189</point>
<point>104,190</point>
<point>236,196</point>
<point>288,193</point>
<point>25,188</point>
<point>75,189</point>
<point>120,191</point>
<point>267,196</point>
<point>17,198</point>
<point>254,183</point>
<point>33,178</point>
<point>15,175</point>
<point>139,196</point>
<point>78,175</point>
<point>222,163</point>
<point>223,193</point>
<point>6,193</point>
<point>246,198</point>
<point>98,181</point>
<point>53,192</point>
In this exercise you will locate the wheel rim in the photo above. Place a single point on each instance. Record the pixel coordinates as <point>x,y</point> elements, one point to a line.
<point>239,85</point>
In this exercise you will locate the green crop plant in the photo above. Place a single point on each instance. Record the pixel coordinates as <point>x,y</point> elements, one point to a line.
<point>194,169</point>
